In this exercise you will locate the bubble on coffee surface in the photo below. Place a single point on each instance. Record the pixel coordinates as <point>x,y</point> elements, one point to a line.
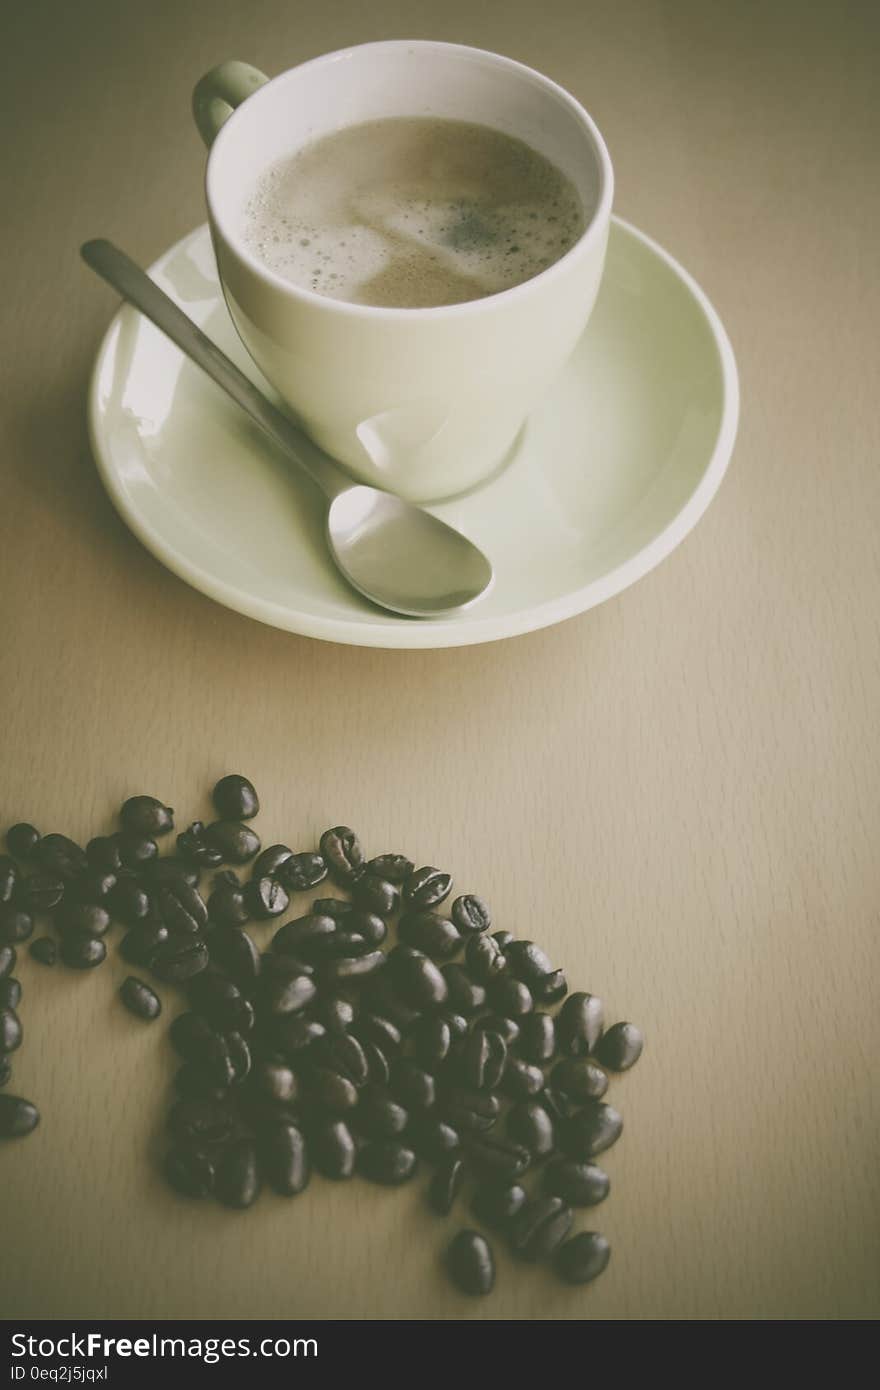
<point>412,212</point>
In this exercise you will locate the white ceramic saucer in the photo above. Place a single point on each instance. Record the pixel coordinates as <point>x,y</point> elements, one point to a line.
<point>610,474</point>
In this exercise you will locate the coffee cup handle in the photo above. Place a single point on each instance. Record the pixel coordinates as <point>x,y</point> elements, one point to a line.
<point>217,94</point>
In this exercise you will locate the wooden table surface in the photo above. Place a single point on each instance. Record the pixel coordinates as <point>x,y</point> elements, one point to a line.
<point>677,793</point>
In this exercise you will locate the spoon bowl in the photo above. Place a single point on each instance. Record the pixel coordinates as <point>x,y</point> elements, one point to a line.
<point>403,558</point>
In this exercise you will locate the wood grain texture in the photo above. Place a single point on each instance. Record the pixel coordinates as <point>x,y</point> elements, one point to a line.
<point>678,793</point>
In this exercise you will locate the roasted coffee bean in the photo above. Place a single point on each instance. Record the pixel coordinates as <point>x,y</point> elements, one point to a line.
<point>521,1080</point>
<point>539,1229</point>
<point>337,908</point>
<point>470,1112</point>
<point>496,1158</point>
<point>445,1184</point>
<point>350,970</point>
<point>527,962</point>
<point>346,1055</point>
<point>139,999</point>
<point>144,815</point>
<point>61,857</point>
<point>336,1013</point>
<point>44,949</point>
<point>136,851</point>
<point>179,958</point>
<point>384,999</point>
<point>221,1002</point>
<point>239,1057</point>
<point>10,993</point>
<point>551,988</point>
<point>559,1106</point>
<point>379,1116</point>
<point>39,892</point>
<point>15,924</point>
<point>104,853</point>
<point>484,959</point>
<point>579,1024</point>
<point>537,1038</point>
<point>8,957</point>
<point>182,907</point>
<point>5,1071</point>
<point>369,925</point>
<point>417,978</point>
<point>620,1047</point>
<point>302,936</point>
<point>22,840</point>
<point>274,1080</point>
<point>433,1138</point>
<point>342,853</point>
<point>471,1263</point>
<point>430,933</point>
<point>510,997</point>
<point>294,1034</point>
<point>387,1161</point>
<point>237,1175</point>
<point>579,1077</point>
<point>579,1184</point>
<point>496,1204</point>
<point>94,886</point>
<point>582,1258</point>
<point>376,895</point>
<point>227,906</point>
<point>395,868</point>
<point>507,1028</point>
<point>204,1049</point>
<point>196,1083</point>
<point>265,897</point>
<point>269,860</point>
<point>129,902</point>
<point>432,1041</point>
<point>284,992</point>
<point>471,914</point>
<point>427,887</point>
<point>170,870</point>
<point>332,1148</point>
<point>82,917</point>
<point>284,1159</point>
<point>139,945</point>
<point>465,995</point>
<point>591,1131</point>
<point>10,1025</point>
<point>530,1125</point>
<point>17,1117</point>
<point>414,1087</point>
<point>482,1060</point>
<point>301,872</point>
<point>503,938</point>
<point>190,1172</point>
<point>8,878</point>
<point>233,951</point>
<point>235,798</point>
<point>457,1023</point>
<point>194,847</point>
<point>378,1066</point>
<point>282,966</point>
<point>202,1123</point>
<point>80,951</point>
<point>377,1029</point>
<point>237,843</point>
<point>339,945</point>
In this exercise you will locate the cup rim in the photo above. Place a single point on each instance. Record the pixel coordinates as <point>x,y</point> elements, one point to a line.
<point>591,233</point>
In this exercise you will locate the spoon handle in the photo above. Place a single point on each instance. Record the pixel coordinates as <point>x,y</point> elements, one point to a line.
<point>136,286</point>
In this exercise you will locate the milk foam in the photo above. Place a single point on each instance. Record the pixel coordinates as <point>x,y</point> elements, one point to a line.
<point>411,212</point>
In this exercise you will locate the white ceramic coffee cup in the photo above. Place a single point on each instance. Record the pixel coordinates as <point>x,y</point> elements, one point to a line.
<point>424,402</point>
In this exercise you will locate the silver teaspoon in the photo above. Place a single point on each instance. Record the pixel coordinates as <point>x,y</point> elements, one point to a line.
<point>391,551</point>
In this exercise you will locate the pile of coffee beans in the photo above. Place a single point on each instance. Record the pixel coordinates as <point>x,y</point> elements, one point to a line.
<point>374,1035</point>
